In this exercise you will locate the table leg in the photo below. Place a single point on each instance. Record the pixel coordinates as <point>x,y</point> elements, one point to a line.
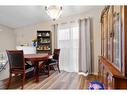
<point>36,71</point>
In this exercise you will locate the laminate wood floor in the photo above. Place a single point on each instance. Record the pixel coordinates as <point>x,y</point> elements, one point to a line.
<point>63,80</point>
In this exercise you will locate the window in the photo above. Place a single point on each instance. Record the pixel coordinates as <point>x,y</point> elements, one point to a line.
<point>67,41</point>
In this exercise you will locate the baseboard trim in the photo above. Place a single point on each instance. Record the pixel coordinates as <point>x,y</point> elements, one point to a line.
<point>82,73</point>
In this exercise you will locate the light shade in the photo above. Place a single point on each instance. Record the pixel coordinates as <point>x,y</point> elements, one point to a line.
<point>54,11</point>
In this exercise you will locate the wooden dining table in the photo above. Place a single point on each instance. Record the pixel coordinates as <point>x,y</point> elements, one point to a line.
<point>35,59</point>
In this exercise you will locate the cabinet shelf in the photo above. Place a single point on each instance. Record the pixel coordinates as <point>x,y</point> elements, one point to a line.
<point>43,36</point>
<point>43,43</point>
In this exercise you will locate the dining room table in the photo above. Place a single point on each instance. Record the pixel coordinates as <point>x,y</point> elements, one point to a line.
<point>35,59</point>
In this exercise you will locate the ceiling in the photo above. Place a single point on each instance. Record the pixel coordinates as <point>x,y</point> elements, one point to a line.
<point>19,16</point>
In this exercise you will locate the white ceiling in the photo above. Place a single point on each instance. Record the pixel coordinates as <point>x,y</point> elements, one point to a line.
<point>19,16</point>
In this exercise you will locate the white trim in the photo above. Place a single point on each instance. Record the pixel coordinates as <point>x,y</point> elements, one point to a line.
<point>82,73</point>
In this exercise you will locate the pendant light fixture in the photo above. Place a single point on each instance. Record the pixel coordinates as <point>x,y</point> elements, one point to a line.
<point>54,11</point>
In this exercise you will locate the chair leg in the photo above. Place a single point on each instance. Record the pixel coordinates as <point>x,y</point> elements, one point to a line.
<point>53,67</point>
<point>48,70</point>
<point>44,69</point>
<point>23,80</point>
<point>10,76</point>
<point>15,77</point>
<point>58,68</point>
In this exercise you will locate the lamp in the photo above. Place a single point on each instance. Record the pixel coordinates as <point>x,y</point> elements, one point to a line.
<point>54,11</point>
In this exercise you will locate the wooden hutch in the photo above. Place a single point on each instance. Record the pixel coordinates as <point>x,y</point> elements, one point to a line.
<point>44,44</point>
<point>113,59</point>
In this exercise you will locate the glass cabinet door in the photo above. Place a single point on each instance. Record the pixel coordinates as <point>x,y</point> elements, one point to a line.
<point>105,34</point>
<point>110,33</point>
<point>102,36</point>
<point>117,37</point>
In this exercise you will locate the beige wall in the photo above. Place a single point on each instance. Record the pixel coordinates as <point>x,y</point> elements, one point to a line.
<point>7,41</point>
<point>26,34</point>
<point>7,38</point>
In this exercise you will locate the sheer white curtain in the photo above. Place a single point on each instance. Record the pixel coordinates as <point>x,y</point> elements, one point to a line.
<point>85,49</point>
<point>68,42</point>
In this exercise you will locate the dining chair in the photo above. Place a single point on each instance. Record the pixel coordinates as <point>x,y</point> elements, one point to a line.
<point>53,61</point>
<point>17,65</point>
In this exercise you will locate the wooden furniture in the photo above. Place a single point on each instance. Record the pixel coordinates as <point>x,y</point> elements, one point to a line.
<point>43,42</point>
<point>35,59</point>
<point>113,59</point>
<point>53,61</point>
<point>17,64</point>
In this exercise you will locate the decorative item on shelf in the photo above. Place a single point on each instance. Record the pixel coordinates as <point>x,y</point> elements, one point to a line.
<point>44,40</point>
<point>48,41</point>
<point>41,40</point>
<point>48,47</point>
<point>43,34</point>
<point>39,34</point>
<point>47,34</point>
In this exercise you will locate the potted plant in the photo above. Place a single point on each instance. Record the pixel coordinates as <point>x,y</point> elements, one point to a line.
<point>34,42</point>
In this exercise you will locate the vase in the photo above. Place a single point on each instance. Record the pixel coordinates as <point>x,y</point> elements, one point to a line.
<point>34,44</point>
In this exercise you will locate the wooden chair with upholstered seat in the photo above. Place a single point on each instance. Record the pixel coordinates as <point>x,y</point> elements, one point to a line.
<point>17,65</point>
<point>53,61</point>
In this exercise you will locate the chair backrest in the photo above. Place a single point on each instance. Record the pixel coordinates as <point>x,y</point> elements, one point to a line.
<point>56,54</point>
<point>16,59</point>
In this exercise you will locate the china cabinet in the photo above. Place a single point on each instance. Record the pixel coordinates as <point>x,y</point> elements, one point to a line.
<point>113,59</point>
<point>43,42</point>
